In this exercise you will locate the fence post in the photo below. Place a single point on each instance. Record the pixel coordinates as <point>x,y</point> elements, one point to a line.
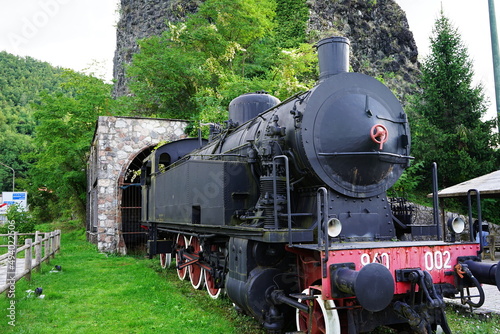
<point>28,256</point>
<point>53,244</point>
<point>47,247</point>
<point>38,252</point>
<point>11,263</point>
<point>58,238</point>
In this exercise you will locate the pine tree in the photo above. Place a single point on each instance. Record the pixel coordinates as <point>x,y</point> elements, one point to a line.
<point>446,117</point>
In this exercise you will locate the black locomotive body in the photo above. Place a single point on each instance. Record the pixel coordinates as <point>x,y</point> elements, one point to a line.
<point>285,211</point>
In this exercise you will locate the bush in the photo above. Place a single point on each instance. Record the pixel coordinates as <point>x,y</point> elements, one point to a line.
<point>22,220</point>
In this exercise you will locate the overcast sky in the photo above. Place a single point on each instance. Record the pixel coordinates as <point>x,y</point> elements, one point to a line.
<point>67,33</point>
<point>78,33</point>
<point>471,18</point>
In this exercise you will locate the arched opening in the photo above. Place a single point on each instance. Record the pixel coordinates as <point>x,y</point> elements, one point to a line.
<point>133,235</point>
<point>164,162</point>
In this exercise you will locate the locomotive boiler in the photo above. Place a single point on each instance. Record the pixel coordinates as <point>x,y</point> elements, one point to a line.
<point>285,211</point>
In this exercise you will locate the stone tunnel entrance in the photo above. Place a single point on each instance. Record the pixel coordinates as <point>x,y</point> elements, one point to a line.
<point>118,148</point>
<point>134,235</point>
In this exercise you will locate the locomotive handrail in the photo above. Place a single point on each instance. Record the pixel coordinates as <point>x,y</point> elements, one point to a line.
<point>288,204</point>
<point>323,223</point>
<point>394,155</point>
<point>479,218</point>
<point>435,200</point>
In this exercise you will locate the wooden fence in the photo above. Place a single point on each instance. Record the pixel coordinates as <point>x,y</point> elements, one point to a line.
<point>44,247</point>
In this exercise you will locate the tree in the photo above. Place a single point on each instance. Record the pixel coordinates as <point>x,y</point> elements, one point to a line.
<point>21,80</point>
<point>291,22</point>
<point>225,49</point>
<point>446,117</point>
<point>66,123</point>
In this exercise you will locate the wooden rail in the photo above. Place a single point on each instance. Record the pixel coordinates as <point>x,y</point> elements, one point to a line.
<point>493,246</point>
<point>49,243</point>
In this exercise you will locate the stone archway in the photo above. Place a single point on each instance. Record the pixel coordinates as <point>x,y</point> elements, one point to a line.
<point>120,144</point>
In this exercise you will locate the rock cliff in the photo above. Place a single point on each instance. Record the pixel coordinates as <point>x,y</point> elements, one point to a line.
<point>381,43</point>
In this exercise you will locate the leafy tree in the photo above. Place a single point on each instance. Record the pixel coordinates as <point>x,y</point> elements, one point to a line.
<point>22,220</point>
<point>66,123</point>
<point>21,81</point>
<point>291,22</point>
<point>446,117</point>
<point>227,48</point>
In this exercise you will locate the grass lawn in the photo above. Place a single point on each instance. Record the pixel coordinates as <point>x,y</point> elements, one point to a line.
<point>96,293</point>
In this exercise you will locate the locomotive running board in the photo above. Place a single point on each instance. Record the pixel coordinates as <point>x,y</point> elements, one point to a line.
<point>252,233</point>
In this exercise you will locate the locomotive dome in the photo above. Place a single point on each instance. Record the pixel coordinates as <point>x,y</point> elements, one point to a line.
<point>248,106</point>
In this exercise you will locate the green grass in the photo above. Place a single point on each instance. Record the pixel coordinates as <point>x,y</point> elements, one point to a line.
<point>96,293</point>
<point>463,322</point>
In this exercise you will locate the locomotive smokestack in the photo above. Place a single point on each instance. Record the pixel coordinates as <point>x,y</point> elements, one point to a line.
<point>333,55</point>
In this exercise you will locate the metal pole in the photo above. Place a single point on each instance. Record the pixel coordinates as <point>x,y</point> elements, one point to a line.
<point>13,175</point>
<point>496,56</point>
<point>435,198</point>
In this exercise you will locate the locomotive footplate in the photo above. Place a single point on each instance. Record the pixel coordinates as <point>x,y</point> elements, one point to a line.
<point>436,258</point>
<point>282,235</point>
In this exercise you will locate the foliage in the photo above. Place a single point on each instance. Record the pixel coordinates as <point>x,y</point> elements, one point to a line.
<point>21,219</point>
<point>291,22</point>
<point>21,81</point>
<point>408,182</point>
<point>66,122</point>
<point>446,117</point>
<point>225,49</point>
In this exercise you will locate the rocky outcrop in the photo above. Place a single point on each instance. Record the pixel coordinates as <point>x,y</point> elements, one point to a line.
<point>381,43</point>
<point>140,19</point>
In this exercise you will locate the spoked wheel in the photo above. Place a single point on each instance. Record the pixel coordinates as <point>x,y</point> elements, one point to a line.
<point>210,282</point>
<point>196,273</point>
<point>324,317</point>
<point>165,260</point>
<point>181,244</point>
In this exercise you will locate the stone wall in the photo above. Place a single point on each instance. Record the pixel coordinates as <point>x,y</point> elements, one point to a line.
<point>423,215</point>
<point>117,142</point>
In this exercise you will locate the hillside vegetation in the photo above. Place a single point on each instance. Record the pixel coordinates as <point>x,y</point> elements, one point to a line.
<point>22,79</point>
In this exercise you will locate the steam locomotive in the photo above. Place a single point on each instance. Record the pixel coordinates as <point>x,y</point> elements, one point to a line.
<point>284,210</point>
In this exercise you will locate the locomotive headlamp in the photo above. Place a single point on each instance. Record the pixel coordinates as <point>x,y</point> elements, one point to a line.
<point>334,227</point>
<point>456,225</point>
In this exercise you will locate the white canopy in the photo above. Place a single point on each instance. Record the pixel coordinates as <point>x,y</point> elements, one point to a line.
<point>488,185</point>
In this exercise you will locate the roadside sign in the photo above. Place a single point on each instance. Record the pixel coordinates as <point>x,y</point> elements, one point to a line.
<point>9,198</point>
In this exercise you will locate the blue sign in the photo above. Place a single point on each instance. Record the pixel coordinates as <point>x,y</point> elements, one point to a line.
<point>19,196</point>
